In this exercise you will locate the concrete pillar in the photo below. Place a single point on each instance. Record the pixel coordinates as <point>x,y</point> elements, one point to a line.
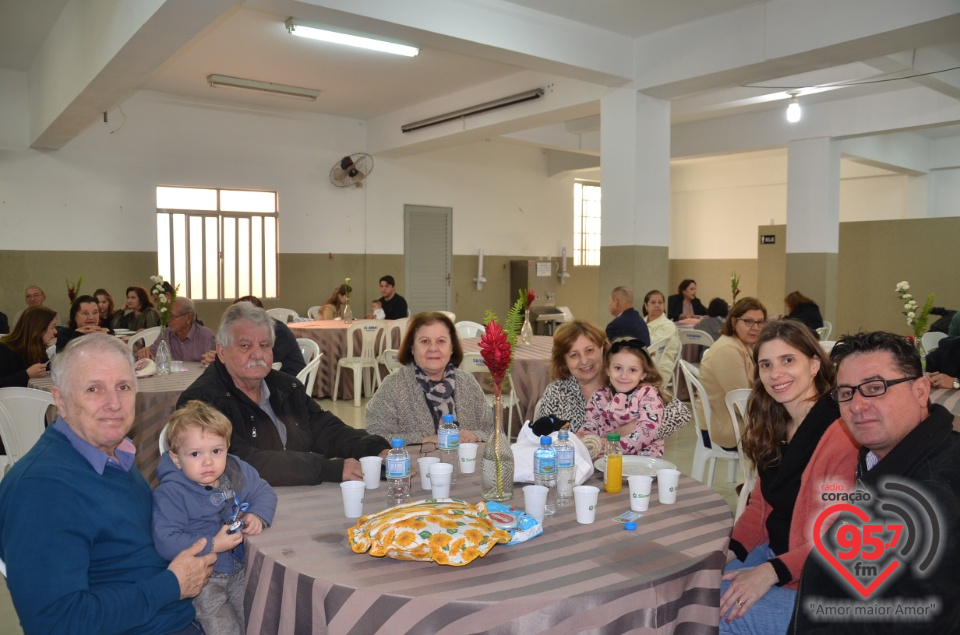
<point>813,222</point>
<point>635,168</point>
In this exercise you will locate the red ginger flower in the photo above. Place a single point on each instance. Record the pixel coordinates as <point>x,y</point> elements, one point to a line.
<point>496,352</point>
<point>531,296</point>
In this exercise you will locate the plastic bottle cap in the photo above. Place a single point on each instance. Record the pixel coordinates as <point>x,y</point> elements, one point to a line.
<point>546,440</point>
<point>448,417</point>
<point>396,443</point>
<point>613,436</point>
<point>630,526</point>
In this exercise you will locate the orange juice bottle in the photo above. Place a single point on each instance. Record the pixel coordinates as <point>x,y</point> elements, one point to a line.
<point>613,477</point>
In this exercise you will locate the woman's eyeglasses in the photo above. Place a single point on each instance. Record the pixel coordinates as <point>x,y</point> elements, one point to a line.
<point>752,323</point>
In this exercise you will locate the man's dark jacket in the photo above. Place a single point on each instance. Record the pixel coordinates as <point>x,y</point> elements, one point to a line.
<point>313,435</point>
<point>629,324</point>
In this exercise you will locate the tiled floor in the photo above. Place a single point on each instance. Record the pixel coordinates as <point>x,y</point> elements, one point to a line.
<point>679,450</point>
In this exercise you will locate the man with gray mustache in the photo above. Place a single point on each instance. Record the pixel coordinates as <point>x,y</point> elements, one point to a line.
<point>277,427</point>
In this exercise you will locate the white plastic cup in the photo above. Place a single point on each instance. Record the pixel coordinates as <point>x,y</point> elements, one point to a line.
<point>585,500</point>
<point>535,500</point>
<point>424,462</point>
<point>468,458</point>
<point>371,470</point>
<point>440,476</point>
<point>668,482</point>
<point>352,498</point>
<point>176,366</point>
<point>640,492</point>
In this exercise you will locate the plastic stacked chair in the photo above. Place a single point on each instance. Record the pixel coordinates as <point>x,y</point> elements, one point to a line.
<point>736,401</point>
<point>702,454</point>
<point>364,360</point>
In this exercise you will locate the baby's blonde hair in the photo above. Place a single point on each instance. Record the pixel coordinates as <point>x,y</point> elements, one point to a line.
<point>198,414</point>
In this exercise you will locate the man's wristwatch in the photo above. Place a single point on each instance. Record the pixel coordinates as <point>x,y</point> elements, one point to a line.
<point>956,384</point>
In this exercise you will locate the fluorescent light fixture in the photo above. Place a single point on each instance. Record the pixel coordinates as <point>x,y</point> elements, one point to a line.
<point>263,87</point>
<point>496,104</point>
<point>793,108</point>
<point>315,33</point>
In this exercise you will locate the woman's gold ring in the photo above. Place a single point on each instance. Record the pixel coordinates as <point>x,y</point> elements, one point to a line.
<point>740,602</point>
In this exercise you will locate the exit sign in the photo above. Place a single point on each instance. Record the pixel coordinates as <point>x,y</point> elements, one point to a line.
<point>768,239</point>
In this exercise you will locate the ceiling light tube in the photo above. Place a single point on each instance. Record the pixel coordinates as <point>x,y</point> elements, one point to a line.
<point>793,108</point>
<point>295,27</point>
<point>264,87</point>
<point>519,98</point>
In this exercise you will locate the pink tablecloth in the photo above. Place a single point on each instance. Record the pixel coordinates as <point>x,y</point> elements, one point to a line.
<point>530,373</point>
<point>331,336</point>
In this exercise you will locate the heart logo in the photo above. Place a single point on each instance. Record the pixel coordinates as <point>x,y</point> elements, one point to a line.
<point>865,591</point>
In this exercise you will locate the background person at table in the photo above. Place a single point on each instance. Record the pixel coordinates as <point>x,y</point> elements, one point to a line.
<point>23,353</point>
<point>394,305</point>
<point>286,349</point>
<point>728,365</point>
<point>795,438</point>
<point>185,510</point>
<point>633,404</point>
<point>105,306</point>
<point>335,306</point>
<point>576,367</point>
<point>685,303</point>
<point>717,312</point>
<point>376,310</point>
<point>138,314</point>
<point>885,404</point>
<point>943,364</point>
<point>410,403</point>
<point>33,296</point>
<point>662,328</point>
<point>4,324</point>
<point>84,320</point>
<point>75,513</point>
<point>801,308</point>
<point>188,341</point>
<point>277,428</point>
<point>627,320</point>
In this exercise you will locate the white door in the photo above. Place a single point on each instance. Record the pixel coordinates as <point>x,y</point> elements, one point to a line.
<point>427,257</point>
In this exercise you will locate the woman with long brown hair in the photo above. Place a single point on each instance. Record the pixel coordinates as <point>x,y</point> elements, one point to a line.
<point>23,353</point>
<point>335,306</point>
<point>139,313</point>
<point>106,307</point>
<point>794,436</point>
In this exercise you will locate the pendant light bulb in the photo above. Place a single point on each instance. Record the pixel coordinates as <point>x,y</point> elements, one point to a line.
<point>793,109</point>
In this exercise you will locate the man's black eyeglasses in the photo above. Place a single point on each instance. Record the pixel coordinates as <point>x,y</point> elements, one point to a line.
<point>872,388</point>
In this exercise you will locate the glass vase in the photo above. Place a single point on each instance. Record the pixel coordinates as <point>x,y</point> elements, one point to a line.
<point>163,353</point>
<point>526,331</point>
<point>496,468</point>
<point>347,313</point>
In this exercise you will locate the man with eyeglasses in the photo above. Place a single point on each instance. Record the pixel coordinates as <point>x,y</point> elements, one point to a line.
<point>190,342</point>
<point>884,402</point>
<point>33,296</point>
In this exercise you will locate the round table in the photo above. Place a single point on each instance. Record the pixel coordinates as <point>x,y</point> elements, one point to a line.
<point>302,576</point>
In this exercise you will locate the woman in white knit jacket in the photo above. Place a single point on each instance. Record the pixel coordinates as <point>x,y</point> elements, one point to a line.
<point>661,328</point>
<point>410,403</point>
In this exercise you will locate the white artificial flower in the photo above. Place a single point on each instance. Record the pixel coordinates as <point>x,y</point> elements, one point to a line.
<point>162,300</point>
<point>346,280</point>
<point>911,315</point>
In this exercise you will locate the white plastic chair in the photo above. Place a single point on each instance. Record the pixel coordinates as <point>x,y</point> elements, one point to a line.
<point>283,315</point>
<point>148,336</point>
<point>736,401</point>
<point>702,454</point>
<point>931,341</point>
<point>164,447</point>
<point>276,365</point>
<point>390,360</point>
<point>308,376</point>
<point>313,312</point>
<point>466,328</point>
<point>308,348</point>
<point>690,336</point>
<point>827,346</point>
<point>366,359</point>
<point>393,330</point>
<point>22,420</point>
<point>656,350</point>
<point>473,363</point>
<point>825,331</point>
<point>51,351</point>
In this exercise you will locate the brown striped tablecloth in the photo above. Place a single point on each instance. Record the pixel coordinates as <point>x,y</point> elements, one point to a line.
<point>331,336</point>
<point>530,373</point>
<point>302,576</point>
<point>156,400</point>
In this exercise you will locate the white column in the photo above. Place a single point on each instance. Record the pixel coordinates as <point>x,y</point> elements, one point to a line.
<point>813,196</point>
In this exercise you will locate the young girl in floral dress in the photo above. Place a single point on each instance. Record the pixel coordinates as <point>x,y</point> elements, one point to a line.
<point>633,402</point>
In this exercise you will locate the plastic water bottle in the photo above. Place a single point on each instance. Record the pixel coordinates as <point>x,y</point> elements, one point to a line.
<point>566,472</point>
<point>448,435</point>
<point>545,472</point>
<point>398,474</point>
<point>163,357</point>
